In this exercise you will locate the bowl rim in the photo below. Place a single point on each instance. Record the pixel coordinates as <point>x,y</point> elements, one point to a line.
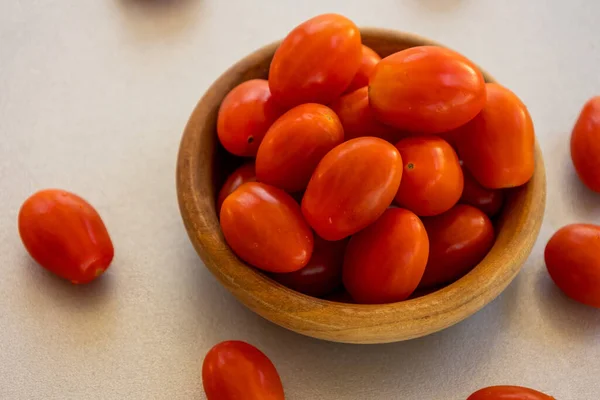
<point>353,323</point>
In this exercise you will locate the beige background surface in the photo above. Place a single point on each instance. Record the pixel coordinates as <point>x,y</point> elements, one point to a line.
<point>93,98</point>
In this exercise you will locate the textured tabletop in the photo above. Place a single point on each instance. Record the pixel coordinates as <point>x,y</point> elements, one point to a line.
<point>94,96</point>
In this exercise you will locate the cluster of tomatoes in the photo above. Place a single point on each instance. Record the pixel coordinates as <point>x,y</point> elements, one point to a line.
<point>339,135</point>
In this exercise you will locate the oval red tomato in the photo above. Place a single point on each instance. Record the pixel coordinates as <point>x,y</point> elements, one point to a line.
<point>264,227</point>
<point>497,146</point>
<point>245,115</point>
<point>426,89</point>
<point>245,173</point>
<point>358,120</point>
<point>458,240</point>
<point>432,181</point>
<point>65,235</point>
<point>508,393</point>
<point>585,144</point>
<point>368,62</point>
<point>573,264</point>
<point>323,273</point>
<point>351,187</point>
<point>487,200</point>
<point>295,144</point>
<point>316,61</point>
<point>385,262</point>
<point>235,370</point>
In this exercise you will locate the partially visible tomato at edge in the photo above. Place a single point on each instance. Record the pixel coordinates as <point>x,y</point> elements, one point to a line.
<point>294,145</point>
<point>323,273</point>
<point>65,235</point>
<point>264,226</point>
<point>487,200</point>
<point>368,62</point>
<point>236,370</point>
<point>426,89</point>
<point>316,61</point>
<point>351,187</point>
<point>358,120</point>
<point>243,174</point>
<point>585,144</point>
<point>572,261</point>
<point>245,115</point>
<point>508,393</point>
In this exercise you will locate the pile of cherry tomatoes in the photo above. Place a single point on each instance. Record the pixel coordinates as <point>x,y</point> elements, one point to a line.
<point>332,140</point>
<point>379,176</point>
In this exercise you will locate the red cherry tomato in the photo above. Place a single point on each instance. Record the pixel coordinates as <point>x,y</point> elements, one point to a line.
<point>585,144</point>
<point>351,187</point>
<point>316,61</point>
<point>264,227</point>
<point>432,180</point>
<point>426,89</point>
<point>487,200</point>
<point>385,262</point>
<point>508,393</point>
<point>572,260</point>
<point>458,240</point>
<point>235,370</point>
<point>65,235</point>
<point>244,117</point>
<point>497,146</point>
<point>245,173</point>
<point>295,144</point>
<point>358,119</point>
<point>323,273</point>
<point>368,62</point>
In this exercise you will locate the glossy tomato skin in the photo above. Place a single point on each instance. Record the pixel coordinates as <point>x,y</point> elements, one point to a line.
<point>316,61</point>
<point>235,370</point>
<point>323,273</point>
<point>65,235</point>
<point>264,226</point>
<point>426,89</point>
<point>508,393</point>
<point>385,262</point>
<point>432,180</point>
<point>243,174</point>
<point>572,261</point>
<point>458,240</point>
<point>585,144</point>
<point>367,64</point>
<point>487,200</point>
<point>351,187</point>
<point>497,146</point>
<point>295,144</point>
<point>244,117</point>
<point>358,120</point>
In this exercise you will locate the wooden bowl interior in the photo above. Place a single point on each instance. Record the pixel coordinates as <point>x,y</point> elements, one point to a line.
<point>203,165</point>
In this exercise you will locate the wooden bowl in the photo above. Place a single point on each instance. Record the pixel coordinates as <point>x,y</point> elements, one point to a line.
<point>202,166</point>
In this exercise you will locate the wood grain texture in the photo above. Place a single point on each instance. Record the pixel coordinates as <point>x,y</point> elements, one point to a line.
<point>202,165</point>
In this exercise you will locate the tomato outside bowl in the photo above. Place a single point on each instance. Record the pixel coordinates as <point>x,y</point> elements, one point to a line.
<point>203,165</point>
